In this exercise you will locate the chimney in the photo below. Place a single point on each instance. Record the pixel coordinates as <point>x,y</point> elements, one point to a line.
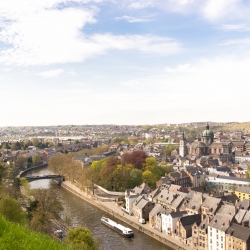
<point>208,220</point>
<point>201,199</point>
<point>242,223</point>
<point>229,223</point>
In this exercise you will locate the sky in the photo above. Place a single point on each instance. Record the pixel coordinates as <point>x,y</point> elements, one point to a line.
<point>124,61</point>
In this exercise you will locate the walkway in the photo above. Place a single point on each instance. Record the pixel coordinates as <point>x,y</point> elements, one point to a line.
<point>113,209</point>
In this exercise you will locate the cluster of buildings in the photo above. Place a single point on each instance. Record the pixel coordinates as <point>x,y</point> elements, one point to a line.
<point>203,221</point>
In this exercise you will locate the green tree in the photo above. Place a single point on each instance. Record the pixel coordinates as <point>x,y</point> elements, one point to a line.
<point>21,162</point>
<point>166,169</point>
<point>135,178</point>
<point>248,172</point>
<point>13,146</point>
<point>81,238</point>
<point>2,172</point>
<point>35,142</point>
<point>24,183</point>
<point>149,178</point>
<point>169,149</point>
<point>10,209</point>
<point>36,159</point>
<point>152,165</point>
<point>48,207</point>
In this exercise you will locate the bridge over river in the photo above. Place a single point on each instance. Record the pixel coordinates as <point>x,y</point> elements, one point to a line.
<point>58,178</point>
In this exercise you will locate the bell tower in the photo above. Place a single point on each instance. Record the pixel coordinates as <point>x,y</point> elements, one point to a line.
<point>183,145</point>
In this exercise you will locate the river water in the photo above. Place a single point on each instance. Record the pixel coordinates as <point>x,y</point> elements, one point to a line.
<point>83,214</point>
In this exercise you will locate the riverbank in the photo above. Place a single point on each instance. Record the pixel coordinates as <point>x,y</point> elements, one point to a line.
<point>114,210</point>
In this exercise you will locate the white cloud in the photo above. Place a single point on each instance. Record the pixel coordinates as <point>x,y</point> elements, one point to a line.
<point>217,9</point>
<point>235,27</point>
<point>51,73</point>
<point>145,44</point>
<point>46,35</point>
<point>131,19</point>
<point>245,41</point>
<point>140,4</point>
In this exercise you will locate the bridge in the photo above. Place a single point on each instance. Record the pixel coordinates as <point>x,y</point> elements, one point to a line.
<point>59,178</point>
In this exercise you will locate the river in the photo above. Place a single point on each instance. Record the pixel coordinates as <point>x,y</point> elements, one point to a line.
<point>83,214</point>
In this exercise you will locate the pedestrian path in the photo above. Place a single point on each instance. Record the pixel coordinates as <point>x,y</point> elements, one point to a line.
<point>114,209</point>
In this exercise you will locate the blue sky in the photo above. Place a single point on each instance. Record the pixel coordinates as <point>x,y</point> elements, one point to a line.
<point>123,61</point>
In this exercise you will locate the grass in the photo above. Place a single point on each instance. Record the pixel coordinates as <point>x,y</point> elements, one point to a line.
<point>16,237</point>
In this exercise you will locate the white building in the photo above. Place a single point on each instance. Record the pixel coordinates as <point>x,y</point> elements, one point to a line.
<point>169,219</point>
<point>217,231</point>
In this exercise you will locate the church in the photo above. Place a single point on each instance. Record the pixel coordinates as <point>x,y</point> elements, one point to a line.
<point>206,146</point>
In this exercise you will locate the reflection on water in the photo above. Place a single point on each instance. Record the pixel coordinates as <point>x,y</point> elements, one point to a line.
<point>83,214</point>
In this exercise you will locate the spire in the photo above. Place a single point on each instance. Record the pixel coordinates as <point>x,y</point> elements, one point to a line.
<point>207,127</point>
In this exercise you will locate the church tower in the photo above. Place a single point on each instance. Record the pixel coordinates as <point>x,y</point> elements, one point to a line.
<point>207,136</point>
<point>183,146</point>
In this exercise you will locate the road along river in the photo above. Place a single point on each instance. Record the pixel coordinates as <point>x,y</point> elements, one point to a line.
<point>83,214</point>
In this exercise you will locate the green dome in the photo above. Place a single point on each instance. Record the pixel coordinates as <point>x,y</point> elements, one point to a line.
<point>208,132</point>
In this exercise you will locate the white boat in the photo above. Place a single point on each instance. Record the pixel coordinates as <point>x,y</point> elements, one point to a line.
<point>124,231</point>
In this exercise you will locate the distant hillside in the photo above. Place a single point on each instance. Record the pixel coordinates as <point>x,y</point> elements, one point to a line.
<point>16,237</point>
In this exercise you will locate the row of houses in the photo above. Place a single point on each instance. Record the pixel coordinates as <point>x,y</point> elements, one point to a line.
<point>196,219</point>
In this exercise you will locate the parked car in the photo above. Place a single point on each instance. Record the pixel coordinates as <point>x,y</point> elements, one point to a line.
<point>142,221</point>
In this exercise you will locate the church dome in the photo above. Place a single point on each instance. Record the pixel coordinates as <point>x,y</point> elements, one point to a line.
<point>207,132</point>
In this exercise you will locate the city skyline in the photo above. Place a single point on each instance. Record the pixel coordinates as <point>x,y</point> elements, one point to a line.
<point>123,62</point>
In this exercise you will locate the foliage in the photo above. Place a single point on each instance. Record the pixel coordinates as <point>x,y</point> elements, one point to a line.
<point>112,173</point>
<point>248,172</point>
<point>21,161</point>
<point>48,206</point>
<point>136,158</point>
<point>149,179</point>
<point>81,238</point>
<point>35,142</point>
<point>36,159</point>
<point>24,182</point>
<point>10,209</point>
<point>166,169</point>
<point>15,236</point>
<point>169,149</point>
<point>152,165</point>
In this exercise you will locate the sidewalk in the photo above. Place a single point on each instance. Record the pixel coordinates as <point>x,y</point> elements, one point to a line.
<point>114,210</point>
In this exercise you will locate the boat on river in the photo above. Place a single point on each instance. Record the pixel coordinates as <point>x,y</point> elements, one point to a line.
<point>124,231</point>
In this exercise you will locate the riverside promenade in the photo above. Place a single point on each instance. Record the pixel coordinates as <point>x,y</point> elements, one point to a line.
<point>114,210</point>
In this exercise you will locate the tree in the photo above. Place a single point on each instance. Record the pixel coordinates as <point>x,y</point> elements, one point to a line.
<point>21,161</point>
<point>2,172</point>
<point>81,238</point>
<point>36,159</point>
<point>166,169</point>
<point>48,206</point>
<point>149,179</point>
<point>135,178</point>
<point>169,149</point>
<point>152,165</point>
<point>136,158</point>
<point>10,209</point>
<point>35,142</point>
<point>24,183</point>
<point>248,172</point>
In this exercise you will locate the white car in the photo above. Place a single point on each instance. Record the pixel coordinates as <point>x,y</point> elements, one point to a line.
<point>142,221</point>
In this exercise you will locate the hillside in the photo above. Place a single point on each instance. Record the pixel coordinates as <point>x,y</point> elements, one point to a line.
<point>16,237</point>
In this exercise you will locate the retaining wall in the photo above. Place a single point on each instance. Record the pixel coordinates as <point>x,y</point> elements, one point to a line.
<point>93,201</point>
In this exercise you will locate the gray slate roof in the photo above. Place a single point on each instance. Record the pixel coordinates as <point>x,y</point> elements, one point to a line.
<point>221,221</point>
<point>239,232</point>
